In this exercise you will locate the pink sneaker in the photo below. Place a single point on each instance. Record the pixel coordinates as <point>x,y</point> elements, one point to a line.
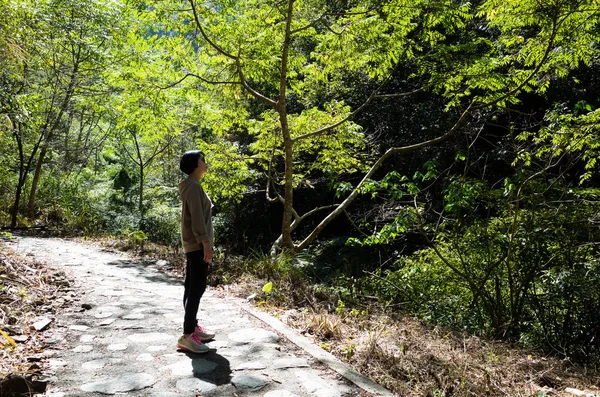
<point>203,334</point>
<point>192,343</point>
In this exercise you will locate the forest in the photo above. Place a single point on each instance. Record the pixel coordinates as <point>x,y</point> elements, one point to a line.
<point>437,157</point>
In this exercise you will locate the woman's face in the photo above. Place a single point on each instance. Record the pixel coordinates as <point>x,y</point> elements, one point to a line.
<point>202,166</point>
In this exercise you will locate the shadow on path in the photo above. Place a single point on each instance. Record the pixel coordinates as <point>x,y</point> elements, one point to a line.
<point>146,270</point>
<point>221,375</point>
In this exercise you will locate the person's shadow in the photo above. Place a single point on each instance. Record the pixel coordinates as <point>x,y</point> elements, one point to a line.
<point>211,367</point>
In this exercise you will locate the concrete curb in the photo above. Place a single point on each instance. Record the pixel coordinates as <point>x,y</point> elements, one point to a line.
<point>319,354</point>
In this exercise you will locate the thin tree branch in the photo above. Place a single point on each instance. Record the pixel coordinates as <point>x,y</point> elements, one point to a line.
<point>400,94</point>
<point>199,78</point>
<point>345,119</point>
<point>205,36</point>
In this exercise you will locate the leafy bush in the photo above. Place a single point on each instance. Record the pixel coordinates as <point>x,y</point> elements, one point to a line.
<point>530,276</point>
<point>161,224</point>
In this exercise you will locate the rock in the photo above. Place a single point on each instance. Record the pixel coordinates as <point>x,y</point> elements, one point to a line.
<point>134,316</point>
<point>105,322</point>
<point>156,348</point>
<point>250,365</point>
<point>95,364</point>
<point>11,330</point>
<point>123,383</point>
<point>52,363</point>
<point>79,327</point>
<point>195,384</point>
<point>149,337</point>
<point>292,362</point>
<point>86,338</point>
<point>86,306</point>
<point>101,315</point>
<point>254,335</point>
<point>280,393</point>
<point>117,347</point>
<point>54,339</point>
<point>249,382</point>
<point>83,349</point>
<point>42,324</point>
<point>315,385</point>
<point>20,338</point>
<point>162,263</point>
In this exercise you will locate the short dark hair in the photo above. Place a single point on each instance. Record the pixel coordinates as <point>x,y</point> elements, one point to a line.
<point>189,161</point>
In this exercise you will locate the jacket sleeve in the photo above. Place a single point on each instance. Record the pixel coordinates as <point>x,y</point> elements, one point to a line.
<point>195,198</point>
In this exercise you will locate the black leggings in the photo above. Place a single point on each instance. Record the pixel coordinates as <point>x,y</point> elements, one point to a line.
<point>196,271</point>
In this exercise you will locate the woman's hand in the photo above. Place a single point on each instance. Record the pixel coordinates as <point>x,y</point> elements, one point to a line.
<point>208,254</point>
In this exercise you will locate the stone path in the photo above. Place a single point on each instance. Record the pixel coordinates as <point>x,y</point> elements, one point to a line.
<point>119,336</point>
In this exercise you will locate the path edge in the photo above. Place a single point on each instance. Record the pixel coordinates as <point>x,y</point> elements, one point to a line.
<point>319,354</point>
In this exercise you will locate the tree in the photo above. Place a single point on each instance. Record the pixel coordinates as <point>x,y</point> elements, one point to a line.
<point>64,46</point>
<point>287,54</point>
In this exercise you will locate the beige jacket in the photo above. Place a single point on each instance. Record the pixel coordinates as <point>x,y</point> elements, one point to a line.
<point>196,219</point>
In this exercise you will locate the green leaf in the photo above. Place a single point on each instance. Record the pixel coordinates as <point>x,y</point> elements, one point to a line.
<point>267,287</point>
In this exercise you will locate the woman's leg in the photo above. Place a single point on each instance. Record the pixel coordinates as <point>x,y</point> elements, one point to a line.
<point>196,273</point>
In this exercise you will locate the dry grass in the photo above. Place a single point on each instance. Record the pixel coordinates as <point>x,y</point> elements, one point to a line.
<point>28,290</point>
<point>414,359</point>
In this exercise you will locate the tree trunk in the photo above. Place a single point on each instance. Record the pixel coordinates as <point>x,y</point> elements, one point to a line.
<point>22,173</point>
<point>15,209</point>
<point>286,227</point>
<point>141,202</point>
<point>34,183</point>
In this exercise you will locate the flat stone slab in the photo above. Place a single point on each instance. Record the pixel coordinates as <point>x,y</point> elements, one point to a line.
<point>105,322</point>
<point>83,349</point>
<point>115,347</point>
<point>125,382</point>
<point>134,316</point>
<point>149,337</point>
<point>42,324</point>
<point>249,382</point>
<point>56,363</point>
<point>291,362</point>
<point>250,365</point>
<point>280,393</point>
<point>79,327</point>
<point>194,384</point>
<point>189,367</point>
<point>100,363</point>
<point>110,293</point>
<point>254,335</point>
<point>156,348</point>
<point>101,315</point>
<point>86,338</point>
<point>315,385</point>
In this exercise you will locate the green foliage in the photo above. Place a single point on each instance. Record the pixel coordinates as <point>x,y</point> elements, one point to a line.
<point>568,133</point>
<point>161,225</point>
<point>527,275</point>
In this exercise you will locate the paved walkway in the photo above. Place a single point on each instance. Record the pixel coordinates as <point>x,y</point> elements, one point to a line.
<point>118,335</point>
